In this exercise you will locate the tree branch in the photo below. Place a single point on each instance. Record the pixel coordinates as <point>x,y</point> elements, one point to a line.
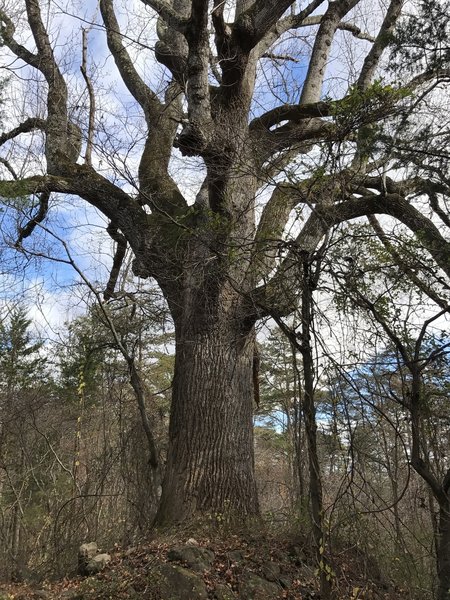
<point>59,149</point>
<point>87,184</point>
<point>91,94</point>
<point>173,19</point>
<point>7,30</point>
<point>381,42</point>
<point>197,133</point>
<point>8,166</point>
<point>410,273</point>
<point>138,89</point>
<point>155,183</point>
<point>292,112</point>
<point>253,24</point>
<point>285,24</point>
<point>278,295</point>
<point>26,231</point>
<point>119,256</point>
<point>25,127</point>
<point>312,88</point>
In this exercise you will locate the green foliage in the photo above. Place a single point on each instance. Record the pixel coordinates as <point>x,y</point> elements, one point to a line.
<point>20,362</point>
<point>422,38</point>
<point>360,108</point>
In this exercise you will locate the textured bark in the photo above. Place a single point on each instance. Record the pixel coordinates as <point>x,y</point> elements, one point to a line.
<point>210,465</point>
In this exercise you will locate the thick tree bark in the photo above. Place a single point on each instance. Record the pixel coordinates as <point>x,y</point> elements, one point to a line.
<point>210,467</point>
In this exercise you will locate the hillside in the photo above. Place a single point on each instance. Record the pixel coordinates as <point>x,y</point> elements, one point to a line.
<point>247,567</point>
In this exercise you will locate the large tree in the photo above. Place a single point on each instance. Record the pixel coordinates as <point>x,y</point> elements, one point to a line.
<point>217,259</point>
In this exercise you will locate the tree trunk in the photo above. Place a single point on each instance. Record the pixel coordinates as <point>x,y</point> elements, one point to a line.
<point>309,412</point>
<point>443,552</point>
<point>210,464</point>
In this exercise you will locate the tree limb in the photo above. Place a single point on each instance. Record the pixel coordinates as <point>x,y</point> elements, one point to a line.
<point>410,273</point>
<point>26,231</point>
<point>312,88</point>
<point>173,19</point>
<point>155,183</point>
<point>292,112</point>
<point>278,294</point>
<point>381,42</point>
<point>91,94</point>
<point>25,127</point>
<point>147,100</point>
<point>7,30</point>
<point>119,256</point>
<point>58,145</point>
<point>253,24</point>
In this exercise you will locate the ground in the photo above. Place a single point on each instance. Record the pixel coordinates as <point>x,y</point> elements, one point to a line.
<point>181,567</point>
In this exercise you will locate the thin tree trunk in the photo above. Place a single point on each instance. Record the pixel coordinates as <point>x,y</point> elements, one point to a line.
<point>309,411</point>
<point>443,552</point>
<point>16,550</point>
<point>15,543</point>
<point>298,475</point>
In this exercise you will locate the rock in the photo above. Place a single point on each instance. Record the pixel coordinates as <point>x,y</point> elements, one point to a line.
<point>308,594</point>
<point>195,557</point>
<point>285,581</point>
<point>177,583</point>
<point>235,556</point>
<point>88,550</point>
<point>297,555</point>
<point>85,553</point>
<point>97,564</point>
<point>192,542</point>
<point>253,587</point>
<point>223,592</point>
<point>71,595</point>
<point>271,571</point>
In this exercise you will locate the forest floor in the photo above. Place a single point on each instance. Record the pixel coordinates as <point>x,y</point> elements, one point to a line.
<point>187,568</point>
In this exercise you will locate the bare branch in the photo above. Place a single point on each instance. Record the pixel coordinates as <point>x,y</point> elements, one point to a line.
<point>222,30</point>
<point>171,17</point>
<point>26,231</point>
<point>267,299</point>
<point>91,94</point>
<point>270,229</point>
<point>196,135</point>
<point>86,183</point>
<point>356,31</point>
<point>25,127</point>
<point>410,273</point>
<point>119,256</point>
<point>287,23</point>
<point>7,31</point>
<point>154,179</point>
<point>292,112</point>
<point>136,86</point>
<point>253,24</point>
<point>280,57</point>
<point>381,42</point>
<point>56,142</point>
<point>301,135</point>
<point>9,167</point>
<point>312,88</point>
